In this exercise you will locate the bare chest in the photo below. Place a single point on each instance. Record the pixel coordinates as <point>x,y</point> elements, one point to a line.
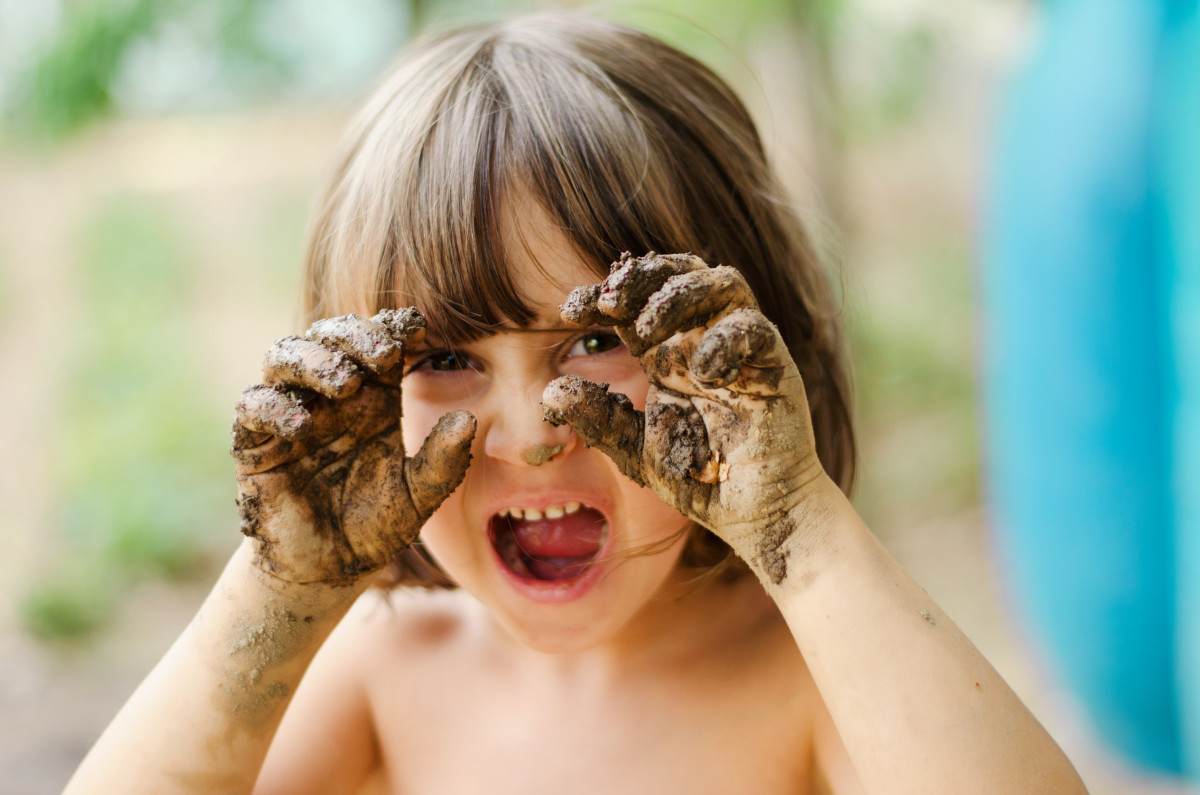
<point>677,737</point>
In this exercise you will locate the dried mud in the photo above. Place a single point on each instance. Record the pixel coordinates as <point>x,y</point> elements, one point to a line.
<point>366,341</point>
<point>257,649</point>
<point>406,325</point>
<point>293,361</point>
<point>717,367</point>
<point>538,454</point>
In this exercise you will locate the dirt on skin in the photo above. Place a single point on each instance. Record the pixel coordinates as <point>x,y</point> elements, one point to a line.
<point>726,436</point>
<point>257,649</point>
<point>538,454</point>
<point>324,486</point>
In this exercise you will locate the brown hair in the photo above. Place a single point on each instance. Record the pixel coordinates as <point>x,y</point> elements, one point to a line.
<point>628,145</point>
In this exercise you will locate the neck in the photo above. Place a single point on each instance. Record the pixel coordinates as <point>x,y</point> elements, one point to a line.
<point>691,618</point>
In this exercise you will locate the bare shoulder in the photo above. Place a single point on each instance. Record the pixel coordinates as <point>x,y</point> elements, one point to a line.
<point>381,650</point>
<point>405,642</point>
<point>412,624</point>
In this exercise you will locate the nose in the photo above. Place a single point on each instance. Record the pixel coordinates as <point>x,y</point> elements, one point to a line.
<point>516,432</point>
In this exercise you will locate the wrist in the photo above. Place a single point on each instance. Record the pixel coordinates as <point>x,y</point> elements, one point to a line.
<point>326,595</point>
<point>787,546</point>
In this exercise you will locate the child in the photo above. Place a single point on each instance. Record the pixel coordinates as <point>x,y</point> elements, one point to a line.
<point>593,488</point>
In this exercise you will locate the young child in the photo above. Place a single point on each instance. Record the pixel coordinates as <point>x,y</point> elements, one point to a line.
<point>649,578</point>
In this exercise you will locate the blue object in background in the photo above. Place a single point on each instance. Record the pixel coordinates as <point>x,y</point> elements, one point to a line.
<point>1179,143</point>
<point>1091,286</point>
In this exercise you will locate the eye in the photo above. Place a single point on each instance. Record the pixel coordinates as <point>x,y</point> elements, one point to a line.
<point>444,362</point>
<point>594,342</point>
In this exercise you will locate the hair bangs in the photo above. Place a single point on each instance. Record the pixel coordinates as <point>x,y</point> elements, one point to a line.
<point>449,256</point>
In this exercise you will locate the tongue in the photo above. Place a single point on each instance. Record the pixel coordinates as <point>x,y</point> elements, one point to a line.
<point>575,535</point>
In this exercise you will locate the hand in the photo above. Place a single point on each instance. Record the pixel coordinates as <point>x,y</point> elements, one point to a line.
<point>726,437</point>
<point>324,488</point>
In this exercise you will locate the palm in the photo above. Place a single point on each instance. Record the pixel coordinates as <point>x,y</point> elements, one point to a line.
<point>324,487</point>
<point>726,436</point>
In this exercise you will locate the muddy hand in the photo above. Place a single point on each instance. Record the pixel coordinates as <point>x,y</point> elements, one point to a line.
<point>726,436</point>
<point>325,490</point>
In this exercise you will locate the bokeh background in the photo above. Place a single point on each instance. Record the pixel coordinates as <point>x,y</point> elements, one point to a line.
<point>158,160</point>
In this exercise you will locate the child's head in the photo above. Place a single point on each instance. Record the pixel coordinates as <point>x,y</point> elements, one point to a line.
<point>625,143</point>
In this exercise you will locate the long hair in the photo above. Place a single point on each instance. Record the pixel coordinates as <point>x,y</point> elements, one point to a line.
<point>628,145</point>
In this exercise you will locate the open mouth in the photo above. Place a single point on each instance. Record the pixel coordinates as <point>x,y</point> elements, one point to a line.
<point>550,544</point>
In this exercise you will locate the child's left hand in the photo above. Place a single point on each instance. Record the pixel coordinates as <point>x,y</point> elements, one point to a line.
<point>726,437</point>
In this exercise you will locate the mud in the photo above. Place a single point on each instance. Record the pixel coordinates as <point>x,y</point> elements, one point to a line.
<point>297,362</point>
<point>326,493</point>
<point>680,439</point>
<point>580,307</point>
<point>633,280</point>
<point>266,410</point>
<point>257,649</point>
<point>726,436</point>
<point>770,556</point>
<point>539,454</point>
<point>620,297</point>
<point>686,301</point>
<point>367,342</point>
<point>405,325</point>
<point>602,419</point>
<point>739,346</point>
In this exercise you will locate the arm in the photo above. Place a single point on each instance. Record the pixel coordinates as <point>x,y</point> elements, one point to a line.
<point>917,705</point>
<point>327,496</point>
<point>203,719</point>
<point>727,439</point>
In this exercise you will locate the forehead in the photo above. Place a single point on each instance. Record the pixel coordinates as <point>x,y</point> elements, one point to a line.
<point>544,262</point>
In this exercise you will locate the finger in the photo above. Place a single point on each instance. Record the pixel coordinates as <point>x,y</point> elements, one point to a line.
<point>405,325</point>
<point>743,337</point>
<point>580,308</point>
<point>267,410</point>
<point>293,361</point>
<point>604,420</point>
<point>690,300</point>
<point>634,279</point>
<point>441,463</point>
<point>246,439</point>
<point>368,343</point>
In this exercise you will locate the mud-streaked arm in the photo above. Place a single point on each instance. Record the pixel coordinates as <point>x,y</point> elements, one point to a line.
<point>203,719</point>
<point>916,704</point>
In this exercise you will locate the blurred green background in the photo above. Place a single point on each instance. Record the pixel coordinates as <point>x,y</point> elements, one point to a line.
<point>157,163</point>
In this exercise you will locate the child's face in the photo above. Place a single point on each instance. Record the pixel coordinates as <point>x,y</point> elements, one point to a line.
<point>561,581</point>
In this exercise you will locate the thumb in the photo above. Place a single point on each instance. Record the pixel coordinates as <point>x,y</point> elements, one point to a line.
<point>439,466</point>
<point>604,420</point>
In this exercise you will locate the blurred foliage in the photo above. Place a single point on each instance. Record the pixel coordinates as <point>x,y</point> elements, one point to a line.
<point>915,385</point>
<point>71,83</point>
<point>901,84</point>
<point>143,469</point>
<point>75,80</point>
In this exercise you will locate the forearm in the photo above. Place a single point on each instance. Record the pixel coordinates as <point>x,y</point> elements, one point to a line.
<point>917,705</point>
<point>203,720</point>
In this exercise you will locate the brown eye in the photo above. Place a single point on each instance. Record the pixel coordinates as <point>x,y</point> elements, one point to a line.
<point>445,362</point>
<point>595,342</point>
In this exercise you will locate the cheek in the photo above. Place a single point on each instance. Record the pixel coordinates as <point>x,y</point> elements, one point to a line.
<point>418,420</point>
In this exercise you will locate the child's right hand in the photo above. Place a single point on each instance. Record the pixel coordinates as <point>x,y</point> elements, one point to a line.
<point>325,491</point>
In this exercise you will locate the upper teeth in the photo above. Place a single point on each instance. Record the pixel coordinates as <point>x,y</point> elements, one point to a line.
<point>549,512</point>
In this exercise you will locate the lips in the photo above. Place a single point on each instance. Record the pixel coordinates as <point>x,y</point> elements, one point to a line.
<point>549,545</point>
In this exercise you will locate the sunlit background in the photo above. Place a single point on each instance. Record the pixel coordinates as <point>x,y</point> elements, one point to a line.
<point>157,164</point>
